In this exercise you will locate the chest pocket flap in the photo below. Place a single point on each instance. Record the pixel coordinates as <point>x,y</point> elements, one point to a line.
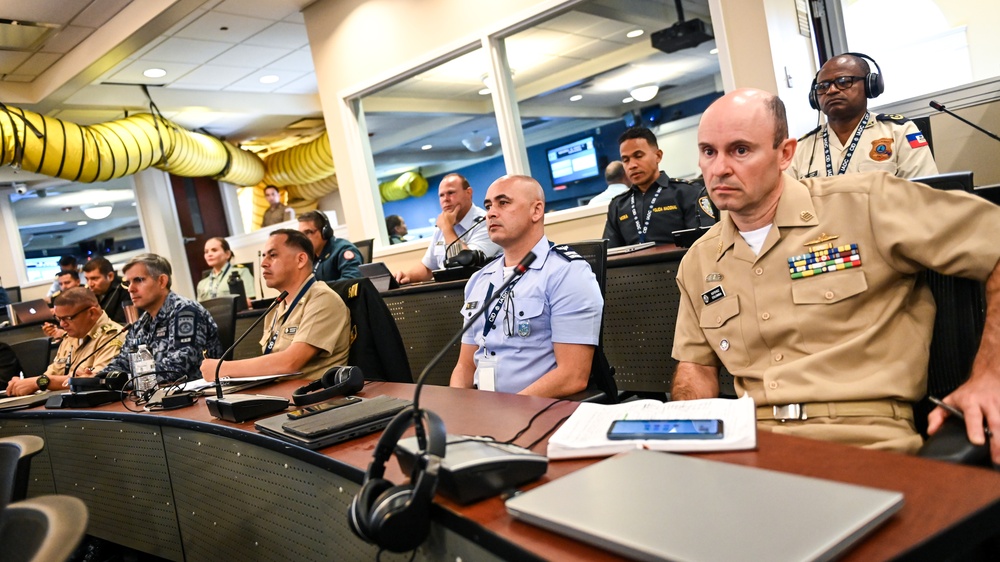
<point>719,312</point>
<point>829,288</point>
<point>528,307</point>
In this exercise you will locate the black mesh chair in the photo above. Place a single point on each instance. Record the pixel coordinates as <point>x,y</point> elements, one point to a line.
<point>223,311</point>
<point>601,387</point>
<point>365,248</point>
<point>33,355</point>
<point>42,529</point>
<point>16,453</point>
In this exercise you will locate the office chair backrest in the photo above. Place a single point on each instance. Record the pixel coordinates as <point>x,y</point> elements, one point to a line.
<point>602,374</point>
<point>365,249</point>
<point>16,453</point>
<point>13,293</point>
<point>376,345</point>
<point>223,311</point>
<point>42,529</point>
<point>33,355</point>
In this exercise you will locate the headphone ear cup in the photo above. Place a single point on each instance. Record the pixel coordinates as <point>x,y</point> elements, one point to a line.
<point>813,98</point>
<point>361,507</point>
<point>874,85</point>
<point>398,525</point>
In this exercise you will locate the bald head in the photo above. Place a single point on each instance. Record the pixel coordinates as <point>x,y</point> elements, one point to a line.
<point>515,210</point>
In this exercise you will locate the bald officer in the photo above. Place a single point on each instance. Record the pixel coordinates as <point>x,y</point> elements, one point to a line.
<point>810,293</point>
<point>539,336</point>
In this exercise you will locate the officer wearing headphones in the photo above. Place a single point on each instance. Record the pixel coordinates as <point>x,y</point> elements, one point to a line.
<point>335,258</point>
<point>854,139</point>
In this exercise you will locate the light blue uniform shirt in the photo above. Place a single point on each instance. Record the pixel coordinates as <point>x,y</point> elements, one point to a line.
<point>479,240</point>
<point>557,300</point>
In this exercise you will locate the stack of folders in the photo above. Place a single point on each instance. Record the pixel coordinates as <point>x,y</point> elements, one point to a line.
<point>585,433</point>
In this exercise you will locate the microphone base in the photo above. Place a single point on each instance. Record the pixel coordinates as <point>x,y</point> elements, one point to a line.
<point>86,399</point>
<point>242,407</point>
<point>453,273</point>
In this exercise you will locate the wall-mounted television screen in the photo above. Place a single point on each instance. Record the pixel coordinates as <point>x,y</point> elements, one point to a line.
<point>573,162</point>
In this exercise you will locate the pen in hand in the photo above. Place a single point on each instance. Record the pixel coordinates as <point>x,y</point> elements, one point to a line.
<point>947,407</point>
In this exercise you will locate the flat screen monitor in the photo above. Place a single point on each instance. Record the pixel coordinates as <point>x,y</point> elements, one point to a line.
<point>573,161</point>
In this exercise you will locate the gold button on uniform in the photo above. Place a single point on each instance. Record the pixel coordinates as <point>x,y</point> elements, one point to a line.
<point>718,320</point>
<point>765,316</point>
<point>779,357</point>
<point>829,295</point>
<point>759,271</point>
<point>772,384</point>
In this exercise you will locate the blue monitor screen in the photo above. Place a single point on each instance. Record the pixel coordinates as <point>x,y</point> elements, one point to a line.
<point>573,162</point>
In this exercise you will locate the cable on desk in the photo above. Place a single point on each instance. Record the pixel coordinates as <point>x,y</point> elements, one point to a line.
<point>531,421</point>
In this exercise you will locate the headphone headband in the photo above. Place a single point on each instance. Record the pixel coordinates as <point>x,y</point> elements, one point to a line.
<point>337,381</point>
<point>873,81</point>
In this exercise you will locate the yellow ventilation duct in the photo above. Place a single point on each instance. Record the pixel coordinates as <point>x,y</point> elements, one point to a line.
<point>408,184</point>
<point>302,164</point>
<point>105,151</point>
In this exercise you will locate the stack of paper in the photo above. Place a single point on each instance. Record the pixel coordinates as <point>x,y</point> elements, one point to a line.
<point>585,433</point>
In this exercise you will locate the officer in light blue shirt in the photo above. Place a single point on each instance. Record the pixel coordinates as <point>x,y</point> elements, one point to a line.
<point>539,336</point>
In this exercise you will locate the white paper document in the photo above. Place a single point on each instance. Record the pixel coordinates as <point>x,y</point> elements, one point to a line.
<point>585,432</point>
<point>243,382</point>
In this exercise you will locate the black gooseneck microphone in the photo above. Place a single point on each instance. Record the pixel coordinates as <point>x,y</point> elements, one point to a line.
<point>944,109</point>
<point>218,366</point>
<point>242,407</point>
<point>475,224</point>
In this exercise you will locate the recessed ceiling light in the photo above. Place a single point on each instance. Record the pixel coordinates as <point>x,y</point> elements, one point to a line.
<point>269,79</point>
<point>634,33</point>
<point>628,100</point>
<point>714,51</point>
<point>427,147</point>
<point>484,92</point>
<point>154,73</point>
<point>489,143</point>
<point>577,97</point>
<point>645,92</point>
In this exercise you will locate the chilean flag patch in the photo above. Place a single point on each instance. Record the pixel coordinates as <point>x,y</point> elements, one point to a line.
<point>916,140</point>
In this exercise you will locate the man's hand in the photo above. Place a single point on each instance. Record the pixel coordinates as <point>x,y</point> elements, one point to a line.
<point>208,369</point>
<point>402,277</point>
<point>21,387</point>
<point>447,219</point>
<point>53,331</point>
<point>979,401</point>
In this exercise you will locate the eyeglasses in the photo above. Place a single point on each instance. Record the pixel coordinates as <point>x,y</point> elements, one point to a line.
<point>137,280</point>
<point>841,82</point>
<point>70,318</point>
<point>309,232</point>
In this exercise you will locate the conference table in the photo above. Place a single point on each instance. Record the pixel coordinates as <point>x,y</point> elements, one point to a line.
<point>185,486</point>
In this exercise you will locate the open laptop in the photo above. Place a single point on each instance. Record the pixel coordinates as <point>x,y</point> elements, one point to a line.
<point>333,426</point>
<point>28,311</point>
<point>653,506</point>
<point>630,248</point>
<point>379,275</point>
<point>687,237</point>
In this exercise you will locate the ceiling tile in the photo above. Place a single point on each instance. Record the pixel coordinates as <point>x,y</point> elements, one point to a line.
<point>44,11</point>
<point>98,13</point>
<point>132,73</point>
<point>282,35</point>
<point>210,77</point>
<point>268,9</point>
<point>10,60</point>
<point>250,56</point>
<point>66,38</point>
<point>40,62</point>
<point>298,60</point>
<point>209,26</point>
<point>304,85</point>
<point>252,83</point>
<point>192,51</point>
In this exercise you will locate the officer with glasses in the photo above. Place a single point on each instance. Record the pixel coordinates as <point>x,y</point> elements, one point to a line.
<point>179,332</point>
<point>87,328</point>
<point>854,139</point>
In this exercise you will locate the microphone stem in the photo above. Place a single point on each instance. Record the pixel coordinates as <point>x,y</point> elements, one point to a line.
<point>940,107</point>
<point>218,366</point>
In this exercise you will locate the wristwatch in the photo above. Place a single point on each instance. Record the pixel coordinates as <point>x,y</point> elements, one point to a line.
<point>43,382</point>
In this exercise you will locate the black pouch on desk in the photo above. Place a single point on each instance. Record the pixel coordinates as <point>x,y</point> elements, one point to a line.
<point>333,426</point>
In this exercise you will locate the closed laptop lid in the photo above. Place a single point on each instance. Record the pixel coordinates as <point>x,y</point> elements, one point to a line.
<point>654,506</point>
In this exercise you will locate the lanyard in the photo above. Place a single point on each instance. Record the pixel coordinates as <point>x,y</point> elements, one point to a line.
<point>850,149</point>
<point>641,228</point>
<point>499,304</point>
<point>284,317</point>
<point>213,287</point>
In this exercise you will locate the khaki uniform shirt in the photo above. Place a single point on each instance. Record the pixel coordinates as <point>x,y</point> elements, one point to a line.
<point>861,333</point>
<point>217,284</point>
<point>281,213</point>
<point>77,350</point>
<point>890,143</point>
<point>321,319</point>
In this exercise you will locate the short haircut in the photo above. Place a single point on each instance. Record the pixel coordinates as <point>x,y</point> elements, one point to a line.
<point>67,272</point>
<point>639,133</point>
<point>465,182</point>
<point>316,217</point>
<point>276,190</point>
<point>777,109</point>
<point>393,221</point>
<point>99,264</point>
<point>155,265</point>
<point>67,261</point>
<point>296,241</point>
<point>75,297</point>
<point>224,244</point>
<point>615,172</point>
<point>862,63</point>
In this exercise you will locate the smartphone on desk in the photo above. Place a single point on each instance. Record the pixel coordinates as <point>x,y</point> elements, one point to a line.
<point>322,407</point>
<point>665,429</point>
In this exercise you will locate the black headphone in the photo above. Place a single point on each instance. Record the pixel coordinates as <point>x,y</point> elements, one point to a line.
<point>337,381</point>
<point>467,258</point>
<point>874,84</point>
<point>397,518</point>
<point>115,380</point>
<point>325,230</point>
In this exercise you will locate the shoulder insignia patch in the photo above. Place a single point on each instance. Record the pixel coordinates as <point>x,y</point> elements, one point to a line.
<point>185,323</point>
<point>239,266</point>
<point>566,252</point>
<point>679,180</point>
<point>894,117</point>
<point>706,206</point>
<point>349,254</point>
<point>810,133</point>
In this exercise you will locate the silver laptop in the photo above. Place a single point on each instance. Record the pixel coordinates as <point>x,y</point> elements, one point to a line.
<point>660,506</point>
<point>28,312</point>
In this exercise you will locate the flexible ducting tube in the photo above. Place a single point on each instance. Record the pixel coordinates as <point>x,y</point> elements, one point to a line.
<point>302,164</point>
<point>105,151</point>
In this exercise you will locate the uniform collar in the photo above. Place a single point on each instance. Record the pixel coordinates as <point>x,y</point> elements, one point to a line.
<point>540,249</point>
<point>96,329</point>
<point>471,216</point>
<point>795,208</point>
<point>662,180</point>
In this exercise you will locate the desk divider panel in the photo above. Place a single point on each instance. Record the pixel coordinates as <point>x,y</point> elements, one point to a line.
<point>426,321</point>
<point>250,346</point>
<point>119,469</point>
<point>40,480</point>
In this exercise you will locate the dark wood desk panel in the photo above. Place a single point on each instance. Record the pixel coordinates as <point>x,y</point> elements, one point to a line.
<point>946,505</point>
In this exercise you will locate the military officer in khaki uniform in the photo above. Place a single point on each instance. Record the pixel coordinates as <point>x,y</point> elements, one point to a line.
<point>88,329</point>
<point>309,332</point>
<point>810,295</point>
<point>854,139</point>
